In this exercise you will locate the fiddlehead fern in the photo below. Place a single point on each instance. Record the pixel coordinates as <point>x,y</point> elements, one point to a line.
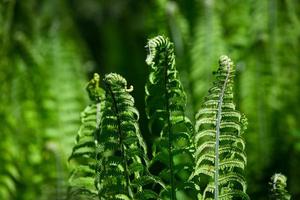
<point>220,156</point>
<point>84,152</point>
<point>110,152</point>
<point>121,172</point>
<point>165,105</point>
<point>278,188</point>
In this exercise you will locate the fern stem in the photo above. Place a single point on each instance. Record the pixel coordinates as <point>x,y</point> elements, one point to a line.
<point>123,153</point>
<point>170,138</point>
<point>218,123</point>
<point>98,119</point>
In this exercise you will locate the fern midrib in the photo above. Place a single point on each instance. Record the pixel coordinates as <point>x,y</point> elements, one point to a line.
<point>123,154</point>
<point>218,124</point>
<point>98,120</point>
<point>170,136</point>
<point>97,131</point>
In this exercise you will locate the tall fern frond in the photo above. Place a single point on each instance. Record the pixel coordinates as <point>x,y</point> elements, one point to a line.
<point>84,152</point>
<point>278,188</point>
<point>220,156</point>
<point>122,162</point>
<point>165,107</point>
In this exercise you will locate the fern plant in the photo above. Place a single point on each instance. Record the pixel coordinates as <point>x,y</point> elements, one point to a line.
<point>278,188</point>
<point>84,151</point>
<point>220,158</point>
<point>122,160</point>
<point>204,164</point>
<point>110,151</point>
<point>165,106</point>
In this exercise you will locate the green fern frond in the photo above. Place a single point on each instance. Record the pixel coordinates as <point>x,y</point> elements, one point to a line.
<point>85,150</point>
<point>278,188</point>
<point>165,107</point>
<point>9,173</point>
<point>122,161</point>
<point>220,156</point>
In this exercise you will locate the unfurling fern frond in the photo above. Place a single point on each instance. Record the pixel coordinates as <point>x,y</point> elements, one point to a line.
<point>165,106</point>
<point>220,156</point>
<point>84,152</point>
<point>122,163</point>
<point>278,188</point>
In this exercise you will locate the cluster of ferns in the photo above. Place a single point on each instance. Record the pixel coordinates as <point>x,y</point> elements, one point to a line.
<point>202,160</point>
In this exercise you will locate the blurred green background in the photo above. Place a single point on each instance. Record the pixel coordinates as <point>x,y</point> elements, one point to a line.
<point>49,49</point>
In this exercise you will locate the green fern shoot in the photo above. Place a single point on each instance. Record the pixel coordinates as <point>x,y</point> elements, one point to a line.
<point>110,155</point>
<point>122,162</point>
<point>220,156</point>
<point>278,188</point>
<point>165,107</point>
<point>84,152</point>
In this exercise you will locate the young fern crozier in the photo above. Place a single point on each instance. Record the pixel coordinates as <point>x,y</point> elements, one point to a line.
<point>165,106</point>
<point>278,188</point>
<point>110,153</point>
<point>122,165</point>
<point>220,156</point>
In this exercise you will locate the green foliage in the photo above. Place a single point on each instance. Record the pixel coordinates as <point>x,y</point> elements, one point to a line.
<point>10,174</point>
<point>122,161</point>
<point>207,45</point>
<point>40,73</point>
<point>110,152</point>
<point>84,151</point>
<point>278,188</point>
<point>165,108</point>
<point>220,158</point>
<point>47,48</point>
